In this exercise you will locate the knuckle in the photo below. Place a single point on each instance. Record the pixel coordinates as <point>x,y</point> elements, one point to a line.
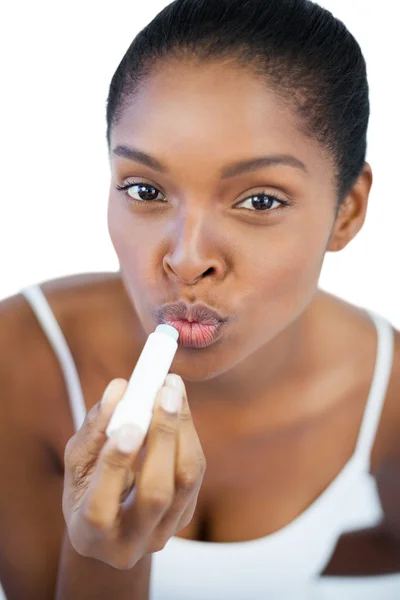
<point>187,479</point>
<point>165,429</point>
<point>93,517</point>
<point>96,521</point>
<point>116,461</point>
<point>79,474</point>
<point>126,565</point>
<point>92,416</point>
<point>202,463</point>
<point>200,459</point>
<point>159,544</point>
<point>70,452</point>
<point>123,564</point>
<point>185,415</point>
<point>75,469</point>
<point>186,518</point>
<point>157,500</point>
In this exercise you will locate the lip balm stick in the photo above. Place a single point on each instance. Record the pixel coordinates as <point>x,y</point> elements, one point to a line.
<point>148,376</point>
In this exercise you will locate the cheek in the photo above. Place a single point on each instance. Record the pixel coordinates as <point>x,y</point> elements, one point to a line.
<point>298,266</point>
<point>283,273</point>
<point>133,250</point>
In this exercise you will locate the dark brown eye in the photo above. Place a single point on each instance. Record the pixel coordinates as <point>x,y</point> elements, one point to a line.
<point>263,202</point>
<point>146,192</point>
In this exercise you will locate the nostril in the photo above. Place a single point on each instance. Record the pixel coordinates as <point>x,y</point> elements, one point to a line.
<point>208,272</point>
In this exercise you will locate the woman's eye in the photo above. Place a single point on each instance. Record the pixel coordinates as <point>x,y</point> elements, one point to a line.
<point>145,192</point>
<point>262,202</point>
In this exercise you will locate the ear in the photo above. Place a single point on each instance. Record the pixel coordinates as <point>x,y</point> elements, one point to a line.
<point>352,213</point>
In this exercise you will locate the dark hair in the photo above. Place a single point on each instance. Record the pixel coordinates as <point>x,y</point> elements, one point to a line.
<point>296,46</point>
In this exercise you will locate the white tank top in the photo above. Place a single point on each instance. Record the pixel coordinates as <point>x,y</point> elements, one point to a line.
<point>284,565</point>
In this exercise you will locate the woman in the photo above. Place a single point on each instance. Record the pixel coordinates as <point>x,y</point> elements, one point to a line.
<point>237,142</point>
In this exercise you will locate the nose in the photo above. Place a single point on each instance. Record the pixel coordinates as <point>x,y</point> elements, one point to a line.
<point>193,252</point>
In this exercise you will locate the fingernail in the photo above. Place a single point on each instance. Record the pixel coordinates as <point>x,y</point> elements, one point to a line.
<point>174,381</point>
<point>127,438</point>
<point>171,399</point>
<point>108,392</point>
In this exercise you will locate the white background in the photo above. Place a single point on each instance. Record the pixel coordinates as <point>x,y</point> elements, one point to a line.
<point>57,61</point>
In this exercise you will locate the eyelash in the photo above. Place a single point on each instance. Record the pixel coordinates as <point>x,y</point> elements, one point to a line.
<point>283,203</point>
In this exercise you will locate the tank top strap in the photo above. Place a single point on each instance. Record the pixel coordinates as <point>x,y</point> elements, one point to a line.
<point>378,389</point>
<point>47,320</point>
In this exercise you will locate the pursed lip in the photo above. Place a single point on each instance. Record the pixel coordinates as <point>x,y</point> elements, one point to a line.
<point>193,313</point>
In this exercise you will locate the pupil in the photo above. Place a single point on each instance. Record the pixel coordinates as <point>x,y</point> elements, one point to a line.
<point>147,195</point>
<point>258,201</point>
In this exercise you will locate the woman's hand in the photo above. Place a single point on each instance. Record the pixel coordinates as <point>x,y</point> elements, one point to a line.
<point>108,519</point>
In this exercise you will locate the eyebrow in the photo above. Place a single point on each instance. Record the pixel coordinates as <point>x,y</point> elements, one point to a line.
<point>230,170</point>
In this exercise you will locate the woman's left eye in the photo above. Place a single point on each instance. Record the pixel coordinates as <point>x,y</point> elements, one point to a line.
<point>260,202</point>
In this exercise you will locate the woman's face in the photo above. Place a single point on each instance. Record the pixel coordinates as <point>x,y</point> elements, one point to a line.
<point>248,243</point>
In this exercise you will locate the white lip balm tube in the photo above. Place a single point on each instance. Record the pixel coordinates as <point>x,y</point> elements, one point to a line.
<point>136,406</point>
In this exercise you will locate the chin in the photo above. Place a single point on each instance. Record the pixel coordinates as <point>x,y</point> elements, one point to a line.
<point>202,364</point>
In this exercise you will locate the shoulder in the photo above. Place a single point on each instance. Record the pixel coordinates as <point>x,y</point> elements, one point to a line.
<point>387,445</point>
<point>33,389</point>
<point>66,296</point>
<point>353,347</point>
<point>35,424</point>
<point>74,300</point>
<point>363,340</point>
<point>385,456</point>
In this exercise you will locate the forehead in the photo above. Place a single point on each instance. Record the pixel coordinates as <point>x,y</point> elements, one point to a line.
<point>214,113</point>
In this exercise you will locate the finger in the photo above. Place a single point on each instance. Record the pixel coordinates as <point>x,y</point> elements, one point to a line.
<point>112,475</point>
<point>83,448</point>
<point>155,486</point>
<point>129,484</point>
<point>187,514</point>
<point>87,442</point>
<point>189,471</point>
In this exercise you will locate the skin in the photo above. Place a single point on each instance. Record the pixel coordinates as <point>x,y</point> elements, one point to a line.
<point>252,266</point>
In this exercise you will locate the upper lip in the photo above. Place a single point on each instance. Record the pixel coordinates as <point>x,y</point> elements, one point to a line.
<point>199,313</point>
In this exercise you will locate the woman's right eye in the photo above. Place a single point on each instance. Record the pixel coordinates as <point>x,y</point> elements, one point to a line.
<point>144,194</point>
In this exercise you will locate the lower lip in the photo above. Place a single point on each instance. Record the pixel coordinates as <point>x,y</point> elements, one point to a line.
<point>196,335</point>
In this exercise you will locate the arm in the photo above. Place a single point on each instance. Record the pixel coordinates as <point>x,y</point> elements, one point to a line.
<point>31,522</point>
<point>80,578</point>
<point>37,561</point>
